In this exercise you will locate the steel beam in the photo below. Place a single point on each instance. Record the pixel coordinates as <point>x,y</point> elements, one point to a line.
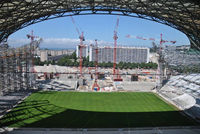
<point>183,15</point>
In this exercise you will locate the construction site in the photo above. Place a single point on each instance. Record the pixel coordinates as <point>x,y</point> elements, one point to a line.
<point>106,89</point>
<point>18,71</point>
<point>17,68</point>
<point>68,78</point>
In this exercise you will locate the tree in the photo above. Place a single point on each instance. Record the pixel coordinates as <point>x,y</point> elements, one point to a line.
<point>73,56</point>
<point>91,64</point>
<point>109,64</point>
<point>53,62</point>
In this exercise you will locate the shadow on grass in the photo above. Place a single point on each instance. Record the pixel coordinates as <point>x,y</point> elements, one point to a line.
<point>42,114</point>
<point>47,92</point>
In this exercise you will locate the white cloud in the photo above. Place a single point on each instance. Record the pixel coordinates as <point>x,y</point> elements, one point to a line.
<point>57,42</point>
<point>17,42</point>
<point>141,37</point>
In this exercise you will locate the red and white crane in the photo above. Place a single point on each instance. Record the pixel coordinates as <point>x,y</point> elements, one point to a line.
<point>151,39</point>
<point>140,37</point>
<point>115,37</point>
<point>164,41</point>
<point>95,85</point>
<point>96,58</point>
<point>81,37</point>
<point>116,76</point>
<point>32,38</point>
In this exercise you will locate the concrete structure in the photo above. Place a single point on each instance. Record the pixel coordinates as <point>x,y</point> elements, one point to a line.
<point>124,54</point>
<point>45,55</point>
<point>149,130</point>
<point>184,92</point>
<point>176,56</point>
<point>84,51</point>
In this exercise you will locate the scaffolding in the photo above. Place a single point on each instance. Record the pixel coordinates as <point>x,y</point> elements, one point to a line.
<point>16,68</point>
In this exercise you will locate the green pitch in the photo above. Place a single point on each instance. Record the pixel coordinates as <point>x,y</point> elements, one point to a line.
<point>94,110</point>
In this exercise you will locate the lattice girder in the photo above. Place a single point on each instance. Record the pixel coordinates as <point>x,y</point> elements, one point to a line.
<point>183,15</point>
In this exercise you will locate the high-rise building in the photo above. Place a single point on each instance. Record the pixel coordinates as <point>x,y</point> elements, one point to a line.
<point>84,51</point>
<point>43,55</point>
<point>123,54</point>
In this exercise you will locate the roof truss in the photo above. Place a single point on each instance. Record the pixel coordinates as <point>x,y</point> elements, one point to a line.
<point>183,15</point>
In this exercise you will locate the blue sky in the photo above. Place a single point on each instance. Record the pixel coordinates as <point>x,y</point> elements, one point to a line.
<point>61,33</point>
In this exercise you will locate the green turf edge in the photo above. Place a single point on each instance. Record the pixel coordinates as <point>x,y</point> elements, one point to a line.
<point>177,108</point>
<point>166,101</point>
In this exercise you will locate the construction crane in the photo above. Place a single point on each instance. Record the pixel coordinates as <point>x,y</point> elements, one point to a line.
<point>140,37</point>
<point>96,58</point>
<point>81,37</point>
<point>32,38</point>
<point>115,37</point>
<point>33,46</point>
<point>164,41</point>
<point>95,86</point>
<point>152,39</point>
<point>145,39</point>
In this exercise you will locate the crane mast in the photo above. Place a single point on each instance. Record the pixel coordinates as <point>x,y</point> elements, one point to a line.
<point>96,59</point>
<point>81,58</point>
<point>115,37</point>
<point>95,85</point>
<point>81,37</point>
<point>32,37</point>
<point>164,41</point>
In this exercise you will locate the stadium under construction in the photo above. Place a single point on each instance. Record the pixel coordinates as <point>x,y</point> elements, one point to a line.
<point>17,68</point>
<point>160,95</point>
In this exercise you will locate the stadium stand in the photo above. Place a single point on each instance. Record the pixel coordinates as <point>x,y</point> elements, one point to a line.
<point>58,85</point>
<point>184,92</point>
<point>138,86</point>
<point>179,58</point>
<point>8,101</point>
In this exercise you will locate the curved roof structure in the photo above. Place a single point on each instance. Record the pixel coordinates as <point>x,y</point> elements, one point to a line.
<point>183,15</point>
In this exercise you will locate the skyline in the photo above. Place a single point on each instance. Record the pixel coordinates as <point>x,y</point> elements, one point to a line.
<point>61,33</point>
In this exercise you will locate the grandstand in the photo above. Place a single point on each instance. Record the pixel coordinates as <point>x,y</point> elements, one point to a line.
<point>181,57</point>
<point>113,110</point>
<point>184,92</point>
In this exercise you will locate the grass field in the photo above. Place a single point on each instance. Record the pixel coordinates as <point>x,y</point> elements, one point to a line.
<point>94,110</point>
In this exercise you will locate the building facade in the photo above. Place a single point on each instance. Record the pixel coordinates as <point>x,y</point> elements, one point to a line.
<point>123,54</point>
<point>46,54</point>
<point>85,52</point>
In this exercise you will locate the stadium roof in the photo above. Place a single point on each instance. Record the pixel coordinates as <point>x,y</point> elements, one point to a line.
<point>183,15</point>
